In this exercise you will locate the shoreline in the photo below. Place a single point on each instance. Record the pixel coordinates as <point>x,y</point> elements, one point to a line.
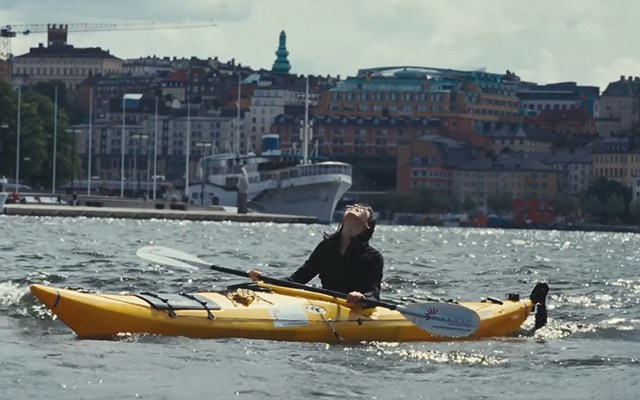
<point>41,210</point>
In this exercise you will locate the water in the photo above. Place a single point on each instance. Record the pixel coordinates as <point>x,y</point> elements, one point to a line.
<point>590,348</point>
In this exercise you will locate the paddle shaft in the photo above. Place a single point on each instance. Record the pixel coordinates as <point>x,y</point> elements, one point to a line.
<point>295,285</point>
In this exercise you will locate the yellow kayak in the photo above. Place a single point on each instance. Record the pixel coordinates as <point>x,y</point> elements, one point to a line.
<point>266,311</point>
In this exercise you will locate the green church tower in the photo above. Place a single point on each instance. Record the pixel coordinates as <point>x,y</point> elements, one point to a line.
<point>281,65</point>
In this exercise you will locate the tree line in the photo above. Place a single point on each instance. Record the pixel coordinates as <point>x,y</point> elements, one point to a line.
<point>37,134</point>
<point>605,201</point>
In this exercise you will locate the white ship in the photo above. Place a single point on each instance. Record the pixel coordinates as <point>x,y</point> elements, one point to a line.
<point>277,184</point>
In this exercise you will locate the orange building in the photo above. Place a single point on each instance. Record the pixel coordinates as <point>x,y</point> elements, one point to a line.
<point>430,162</point>
<point>366,136</point>
<point>534,211</point>
<point>568,123</point>
<point>475,96</point>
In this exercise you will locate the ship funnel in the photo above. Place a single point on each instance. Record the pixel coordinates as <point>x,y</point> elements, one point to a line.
<point>271,144</point>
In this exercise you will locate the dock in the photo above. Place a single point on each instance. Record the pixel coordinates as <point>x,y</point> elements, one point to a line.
<point>199,214</point>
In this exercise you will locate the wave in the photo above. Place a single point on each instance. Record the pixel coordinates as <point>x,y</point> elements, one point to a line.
<point>11,294</point>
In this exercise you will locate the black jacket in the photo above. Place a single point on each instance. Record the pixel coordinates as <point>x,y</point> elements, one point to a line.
<point>359,269</point>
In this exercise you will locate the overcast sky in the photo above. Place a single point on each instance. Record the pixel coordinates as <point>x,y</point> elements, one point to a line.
<point>591,42</point>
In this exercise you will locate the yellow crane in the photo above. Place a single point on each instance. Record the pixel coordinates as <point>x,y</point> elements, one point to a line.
<point>57,33</point>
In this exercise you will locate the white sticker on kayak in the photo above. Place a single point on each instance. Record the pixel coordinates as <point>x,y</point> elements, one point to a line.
<point>286,316</point>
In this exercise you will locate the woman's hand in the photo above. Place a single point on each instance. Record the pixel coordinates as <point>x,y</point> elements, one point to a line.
<point>354,297</point>
<point>254,275</point>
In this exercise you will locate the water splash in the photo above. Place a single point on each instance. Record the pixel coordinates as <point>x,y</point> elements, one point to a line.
<point>11,294</point>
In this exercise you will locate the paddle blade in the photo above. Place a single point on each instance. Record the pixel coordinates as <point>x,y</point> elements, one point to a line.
<point>442,319</point>
<point>175,258</point>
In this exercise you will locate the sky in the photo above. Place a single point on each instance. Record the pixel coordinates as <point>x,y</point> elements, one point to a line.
<point>591,42</point>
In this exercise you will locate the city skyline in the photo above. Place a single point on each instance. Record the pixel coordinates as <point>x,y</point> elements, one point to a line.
<point>541,41</point>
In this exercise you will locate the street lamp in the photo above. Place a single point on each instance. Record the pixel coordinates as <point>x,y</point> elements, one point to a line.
<point>155,152</point>
<point>18,141</point>
<point>137,138</point>
<point>134,98</point>
<point>188,150</point>
<point>203,145</point>
<point>73,155</point>
<point>55,141</point>
<point>90,141</point>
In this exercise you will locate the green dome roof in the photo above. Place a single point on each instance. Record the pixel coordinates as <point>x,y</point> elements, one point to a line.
<point>281,65</point>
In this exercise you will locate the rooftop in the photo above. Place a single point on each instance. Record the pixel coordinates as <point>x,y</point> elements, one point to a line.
<point>513,131</point>
<point>624,87</point>
<point>506,162</point>
<point>67,51</point>
<point>618,144</point>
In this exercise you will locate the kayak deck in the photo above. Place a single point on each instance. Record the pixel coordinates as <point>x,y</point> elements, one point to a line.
<point>279,313</point>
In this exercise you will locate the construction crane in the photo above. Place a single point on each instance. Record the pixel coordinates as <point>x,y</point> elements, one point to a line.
<point>57,33</point>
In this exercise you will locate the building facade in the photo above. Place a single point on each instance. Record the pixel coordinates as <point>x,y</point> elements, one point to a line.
<point>266,105</point>
<point>147,65</point>
<point>619,106</point>
<point>562,96</point>
<point>522,178</point>
<point>575,169</point>
<point>568,123</point>
<point>526,139</point>
<point>618,159</point>
<point>430,162</point>
<point>425,92</point>
<point>65,63</point>
<point>365,136</point>
<point>208,135</point>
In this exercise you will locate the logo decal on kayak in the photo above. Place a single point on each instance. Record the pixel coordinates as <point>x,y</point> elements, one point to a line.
<point>316,309</point>
<point>286,316</point>
<point>430,312</point>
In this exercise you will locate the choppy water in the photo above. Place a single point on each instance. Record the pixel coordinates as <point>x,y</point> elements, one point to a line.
<point>590,348</point>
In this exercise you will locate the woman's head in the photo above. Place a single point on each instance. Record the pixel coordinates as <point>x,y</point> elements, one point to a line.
<point>359,220</point>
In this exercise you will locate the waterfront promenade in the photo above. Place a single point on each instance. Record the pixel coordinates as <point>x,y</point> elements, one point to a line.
<point>109,207</point>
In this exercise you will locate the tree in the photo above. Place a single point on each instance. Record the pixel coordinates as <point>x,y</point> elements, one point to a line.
<point>634,209</point>
<point>468,204</point>
<point>603,188</point>
<point>398,202</point>
<point>593,206</point>
<point>500,202</point>
<point>614,206</point>
<point>76,115</point>
<point>36,137</point>
<point>567,204</point>
<point>427,199</point>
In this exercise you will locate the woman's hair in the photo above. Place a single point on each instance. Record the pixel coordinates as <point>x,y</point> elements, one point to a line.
<point>365,236</point>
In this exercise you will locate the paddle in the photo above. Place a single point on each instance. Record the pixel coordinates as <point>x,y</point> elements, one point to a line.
<point>442,319</point>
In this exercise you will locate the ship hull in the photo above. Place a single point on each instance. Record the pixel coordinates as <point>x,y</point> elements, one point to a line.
<point>316,199</point>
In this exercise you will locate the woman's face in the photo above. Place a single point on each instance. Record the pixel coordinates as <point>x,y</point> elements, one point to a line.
<point>358,216</point>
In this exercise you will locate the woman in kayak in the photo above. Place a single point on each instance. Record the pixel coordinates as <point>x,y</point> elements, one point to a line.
<point>344,260</point>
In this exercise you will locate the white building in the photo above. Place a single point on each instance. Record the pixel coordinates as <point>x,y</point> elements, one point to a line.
<point>619,106</point>
<point>576,170</point>
<point>266,104</point>
<point>65,63</point>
